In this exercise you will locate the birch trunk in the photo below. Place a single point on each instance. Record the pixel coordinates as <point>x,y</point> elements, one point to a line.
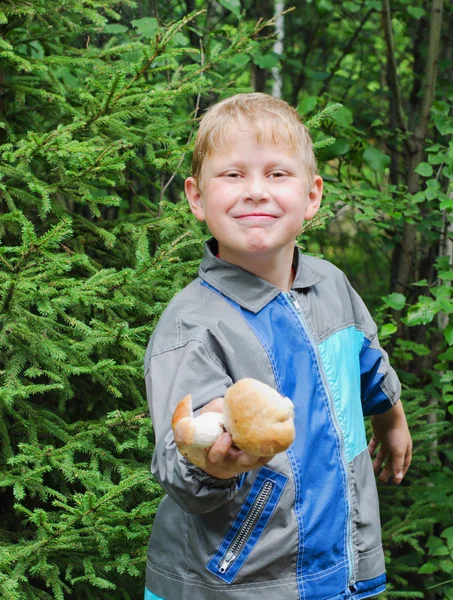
<point>278,48</point>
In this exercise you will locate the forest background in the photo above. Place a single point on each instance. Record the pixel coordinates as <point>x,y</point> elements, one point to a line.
<point>99,101</point>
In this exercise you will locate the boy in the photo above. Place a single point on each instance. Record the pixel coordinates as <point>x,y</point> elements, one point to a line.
<point>304,524</point>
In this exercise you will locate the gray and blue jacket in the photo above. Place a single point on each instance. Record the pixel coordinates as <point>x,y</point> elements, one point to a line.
<point>305,526</point>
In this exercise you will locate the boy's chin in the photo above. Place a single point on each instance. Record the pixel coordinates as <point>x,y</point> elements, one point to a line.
<point>257,250</point>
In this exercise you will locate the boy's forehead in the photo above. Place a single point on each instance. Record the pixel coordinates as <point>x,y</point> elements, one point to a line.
<point>227,139</point>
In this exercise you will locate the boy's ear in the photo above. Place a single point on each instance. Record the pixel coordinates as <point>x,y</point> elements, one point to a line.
<point>194,197</point>
<point>314,198</point>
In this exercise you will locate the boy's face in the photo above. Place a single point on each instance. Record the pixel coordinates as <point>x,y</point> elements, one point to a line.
<point>254,198</point>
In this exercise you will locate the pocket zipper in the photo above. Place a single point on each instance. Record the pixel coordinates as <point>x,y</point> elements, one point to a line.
<point>244,532</point>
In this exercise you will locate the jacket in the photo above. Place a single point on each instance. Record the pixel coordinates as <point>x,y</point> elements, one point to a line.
<point>306,525</point>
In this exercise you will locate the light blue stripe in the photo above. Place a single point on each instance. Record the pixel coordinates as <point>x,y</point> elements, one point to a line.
<point>340,354</point>
<point>150,596</point>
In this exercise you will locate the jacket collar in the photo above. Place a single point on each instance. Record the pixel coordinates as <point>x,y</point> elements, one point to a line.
<point>241,286</point>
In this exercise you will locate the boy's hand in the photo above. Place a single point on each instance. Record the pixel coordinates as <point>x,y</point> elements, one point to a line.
<point>224,459</point>
<point>391,432</point>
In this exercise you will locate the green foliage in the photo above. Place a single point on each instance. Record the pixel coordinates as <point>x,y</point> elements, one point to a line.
<point>421,504</point>
<point>77,439</point>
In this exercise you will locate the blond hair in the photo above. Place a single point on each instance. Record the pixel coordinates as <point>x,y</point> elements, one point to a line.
<point>273,120</point>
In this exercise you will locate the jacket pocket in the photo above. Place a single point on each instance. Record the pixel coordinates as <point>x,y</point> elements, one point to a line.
<point>249,524</point>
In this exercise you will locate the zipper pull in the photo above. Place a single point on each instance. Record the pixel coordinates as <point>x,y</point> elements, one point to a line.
<point>226,562</point>
<point>292,294</point>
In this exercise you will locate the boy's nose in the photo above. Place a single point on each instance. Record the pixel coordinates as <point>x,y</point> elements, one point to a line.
<point>256,191</point>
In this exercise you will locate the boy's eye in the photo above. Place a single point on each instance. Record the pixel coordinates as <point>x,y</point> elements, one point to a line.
<point>233,175</point>
<point>276,174</point>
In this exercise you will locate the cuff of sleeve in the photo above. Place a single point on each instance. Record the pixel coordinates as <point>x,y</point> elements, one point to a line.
<point>208,480</point>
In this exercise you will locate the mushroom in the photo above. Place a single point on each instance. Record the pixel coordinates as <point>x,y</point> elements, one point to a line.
<point>259,420</point>
<point>192,436</point>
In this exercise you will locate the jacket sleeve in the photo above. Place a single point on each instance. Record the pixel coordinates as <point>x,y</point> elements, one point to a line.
<point>170,374</point>
<point>380,386</point>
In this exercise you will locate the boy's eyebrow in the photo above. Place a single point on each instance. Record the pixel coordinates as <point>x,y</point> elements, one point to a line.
<point>272,164</point>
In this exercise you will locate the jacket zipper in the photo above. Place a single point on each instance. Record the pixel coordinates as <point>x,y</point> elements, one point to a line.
<point>293,298</point>
<point>244,532</point>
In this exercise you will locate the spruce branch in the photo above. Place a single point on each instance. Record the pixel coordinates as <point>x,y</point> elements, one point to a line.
<point>197,108</point>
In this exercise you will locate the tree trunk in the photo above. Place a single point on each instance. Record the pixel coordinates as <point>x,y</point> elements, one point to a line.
<point>277,86</point>
<point>405,257</point>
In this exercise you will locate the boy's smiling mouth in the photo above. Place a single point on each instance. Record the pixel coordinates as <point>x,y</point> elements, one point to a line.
<point>255,216</point>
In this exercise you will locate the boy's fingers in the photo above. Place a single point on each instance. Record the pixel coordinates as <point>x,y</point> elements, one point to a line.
<point>215,405</point>
<point>373,444</point>
<point>397,465</point>
<point>407,460</point>
<point>230,458</point>
<point>238,458</point>
<point>247,460</point>
<point>380,457</point>
<point>219,449</point>
<point>385,474</point>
